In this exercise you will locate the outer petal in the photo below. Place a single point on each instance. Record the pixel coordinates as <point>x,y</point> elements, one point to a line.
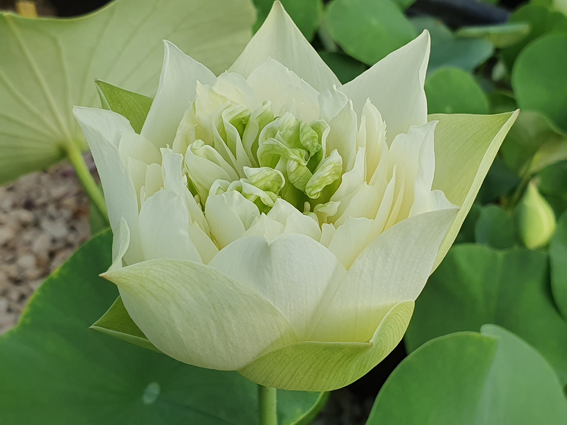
<point>280,39</point>
<point>292,272</point>
<point>465,146</point>
<point>392,269</point>
<point>177,88</point>
<point>164,228</point>
<point>326,366</point>
<point>103,130</point>
<point>198,315</point>
<point>395,87</point>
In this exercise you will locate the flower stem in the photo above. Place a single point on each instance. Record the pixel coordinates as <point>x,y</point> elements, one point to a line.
<point>93,191</point>
<point>267,400</point>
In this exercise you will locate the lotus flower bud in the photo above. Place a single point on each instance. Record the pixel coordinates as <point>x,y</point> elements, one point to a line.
<point>535,219</point>
<point>274,222</point>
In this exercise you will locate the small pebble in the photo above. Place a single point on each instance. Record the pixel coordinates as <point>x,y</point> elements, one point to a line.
<point>43,220</point>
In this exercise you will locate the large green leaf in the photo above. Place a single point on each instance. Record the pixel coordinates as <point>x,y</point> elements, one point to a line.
<point>476,285</point>
<point>55,370</point>
<point>49,65</point>
<point>558,260</point>
<point>454,91</point>
<point>450,51</point>
<point>539,78</point>
<point>542,21</point>
<point>491,378</point>
<point>305,13</point>
<point>552,185</point>
<point>345,68</point>
<point>368,30</point>
<point>495,228</point>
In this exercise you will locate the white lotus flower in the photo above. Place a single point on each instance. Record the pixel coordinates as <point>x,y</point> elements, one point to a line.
<point>277,223</point>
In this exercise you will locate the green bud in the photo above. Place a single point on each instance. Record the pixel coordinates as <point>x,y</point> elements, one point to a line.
<point>535,219</point>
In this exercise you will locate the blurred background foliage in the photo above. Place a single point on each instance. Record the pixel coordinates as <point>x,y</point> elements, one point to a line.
<point>509,265</point>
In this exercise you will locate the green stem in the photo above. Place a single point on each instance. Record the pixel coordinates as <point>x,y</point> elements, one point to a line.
<point>526,177</point>
<point>267,400</point>
<point>93,191</point>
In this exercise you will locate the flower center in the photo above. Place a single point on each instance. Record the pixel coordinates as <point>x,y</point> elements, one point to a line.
<point>263,157</point>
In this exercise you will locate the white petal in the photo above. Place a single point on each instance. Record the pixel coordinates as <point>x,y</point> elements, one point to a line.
<point>198,315</point>
<point>120,243</point>
<point>350,239</point>
<point>392,269</point>
<point>294,221</point>
<point>342,136</point>
<point>134,146</point>
<point>372,136</point>
<point>154,180</point>
<point>173,179</point>
<point>395,87</point>
<point>292,273</point>
<point>206,247</point>
<point>205,166</point>
<point>103,130</point>
<point>164,226</point>
<point>331,102</point>
<point>274,82</point>
<point>235,88</point>
<point>266,227</point>
<point>177,89</point>
<point>280,39</point>
<point>364,203</point>
<point>229,215</point>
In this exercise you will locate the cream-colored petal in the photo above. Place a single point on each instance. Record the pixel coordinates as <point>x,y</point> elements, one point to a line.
<point>229,215</point>
<point>393,268</point>
<point>120,243</point>
<point>235,88</point>
<point>395,87</point>
<point>342,136</point>
<point>176,91</point>
<point>292,272</point>
<point>280,39</point>
<point>206,247</point>
<point>174,180</point>
<point>274,82</point>
<point>103,130</point>
<point>294,221</point>
<point>465,146</point>
<point>164,228</point>
<point>266,227</point>
<point>198,315</point>
<point>350,239</point>
<point>134,146</point>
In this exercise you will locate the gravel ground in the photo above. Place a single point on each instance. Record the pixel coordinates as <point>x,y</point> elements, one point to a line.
<point>43,220</point>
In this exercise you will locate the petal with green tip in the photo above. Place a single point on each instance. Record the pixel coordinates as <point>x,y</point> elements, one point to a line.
<point>326,366</point>
<point>465,146</point>
<point>198,315</point>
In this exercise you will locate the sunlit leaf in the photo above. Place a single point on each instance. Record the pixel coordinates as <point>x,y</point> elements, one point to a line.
<point>49,65</point>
